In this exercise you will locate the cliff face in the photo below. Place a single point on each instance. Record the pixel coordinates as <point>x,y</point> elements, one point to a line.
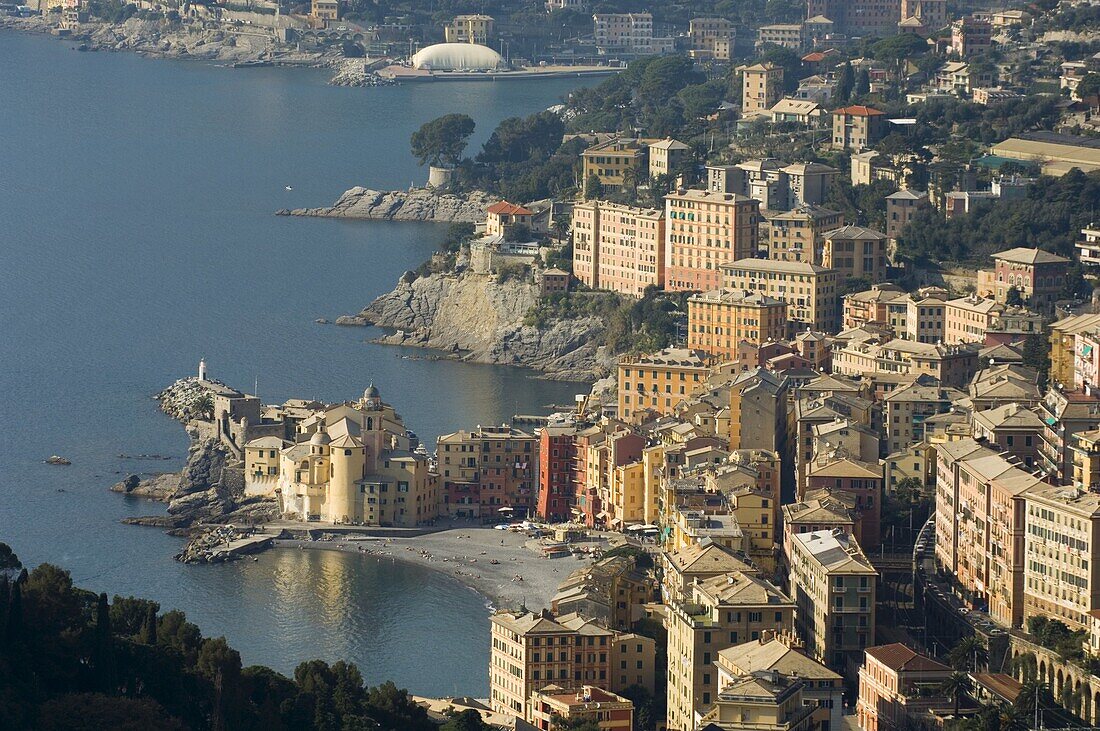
<point>419,204</point>
<point>483,319</point>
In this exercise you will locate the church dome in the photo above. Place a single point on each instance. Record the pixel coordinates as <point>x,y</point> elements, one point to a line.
<point>371,392</point>
<point>458,57</point>
<point>320,437</point>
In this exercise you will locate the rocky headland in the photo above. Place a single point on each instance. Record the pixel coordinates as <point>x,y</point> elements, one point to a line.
<point>479,318</point>
<point>417,204</point>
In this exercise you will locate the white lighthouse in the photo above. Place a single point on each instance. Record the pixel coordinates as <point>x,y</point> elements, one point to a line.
<point>202,369</point>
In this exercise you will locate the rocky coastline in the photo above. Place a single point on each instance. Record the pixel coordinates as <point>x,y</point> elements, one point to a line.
<point>478,318</point>
<point>417,204</point>
<point>165,39</point>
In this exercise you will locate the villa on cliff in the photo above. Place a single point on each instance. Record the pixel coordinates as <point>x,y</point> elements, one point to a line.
<point>345,463</point>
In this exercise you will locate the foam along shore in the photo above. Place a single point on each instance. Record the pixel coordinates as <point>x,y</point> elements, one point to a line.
<point>521,576</point>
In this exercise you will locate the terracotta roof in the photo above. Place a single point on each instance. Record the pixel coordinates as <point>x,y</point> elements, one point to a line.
<point>898,657</point>
<point>509,208</point>
<point>858,110</point>
<point>1022,255</point>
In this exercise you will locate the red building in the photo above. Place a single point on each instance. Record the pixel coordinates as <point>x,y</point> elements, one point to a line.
<point>557,489</point>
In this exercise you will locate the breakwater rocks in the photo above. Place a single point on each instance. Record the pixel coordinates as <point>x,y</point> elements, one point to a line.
<point>209,489</point>
<point>188,399</point>
<point>418,204</point>
<point>479,319</point>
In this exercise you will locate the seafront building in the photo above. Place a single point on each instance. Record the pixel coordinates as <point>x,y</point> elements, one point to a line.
<point>488,473</point>
<point>347,463</point>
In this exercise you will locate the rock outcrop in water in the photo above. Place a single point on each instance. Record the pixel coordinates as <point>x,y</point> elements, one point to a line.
<point>418,204</point>
<point>480,319</point>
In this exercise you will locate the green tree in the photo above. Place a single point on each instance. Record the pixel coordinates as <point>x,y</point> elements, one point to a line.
<point>442,140</point>
<point>863,83</point>
<point>1013,296</point>
<point>789,60</point>
<point>466,720</point>
<point>593,187</point>
<point>969,653</point>
<point>1089,86</point>
<point>956,686</point>
<point>846,82</point>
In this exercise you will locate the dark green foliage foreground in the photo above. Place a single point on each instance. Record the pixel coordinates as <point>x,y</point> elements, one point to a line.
<point>71,660</point>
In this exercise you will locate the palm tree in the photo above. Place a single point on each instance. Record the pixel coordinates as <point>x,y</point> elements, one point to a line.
<point>969,654</point>
<point>956,686</point>
<point>1013,719</point>
<point>1033,695</point>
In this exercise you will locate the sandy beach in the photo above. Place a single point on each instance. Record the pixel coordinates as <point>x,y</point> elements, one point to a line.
<point>465,553</point>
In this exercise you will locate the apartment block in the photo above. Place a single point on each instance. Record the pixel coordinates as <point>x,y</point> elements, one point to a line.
<point>833,585</point>
<point>1037,275</point>
<point>951,365</point>
<point>704,230</point>
<point>469,29</point>
<point>557,490</point>
<point>586,704</point>
<point>659,381</point>
<point>618,248</point>
<point>798,234</point>
<point>762,87</point>
<point>857,127</point>
<point>810,291</point>
<point>615,163</point>
<point>723,611</point>
<point>895,686</point>
<point>720,319</point>
<point>901,207</point>
<point>487,469</point>
<point>855,252</point>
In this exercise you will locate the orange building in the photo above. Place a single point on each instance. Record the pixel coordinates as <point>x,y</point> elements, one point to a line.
<point>896,684</point>
<point>660,381</point>
<point>618,248</point>
<point>720,319</point>
<point>703,230</point>
<point>587,704</point>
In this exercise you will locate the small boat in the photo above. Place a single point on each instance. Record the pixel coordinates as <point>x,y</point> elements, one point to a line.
<point>288,188</point>
<point>54,459</point>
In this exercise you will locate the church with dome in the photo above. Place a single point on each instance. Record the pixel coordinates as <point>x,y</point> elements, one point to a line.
<point>349,463</point>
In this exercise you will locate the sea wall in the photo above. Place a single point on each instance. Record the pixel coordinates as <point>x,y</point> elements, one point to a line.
<point>479,318</point>
<point>418,204</point>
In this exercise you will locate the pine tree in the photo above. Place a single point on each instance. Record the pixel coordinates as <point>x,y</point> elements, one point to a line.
<point>846,82</point>
<point>104,649</point>
<point>14,629</point>
<point>149,629</point>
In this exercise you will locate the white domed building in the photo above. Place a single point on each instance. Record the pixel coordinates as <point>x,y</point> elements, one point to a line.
<point>458,57</point>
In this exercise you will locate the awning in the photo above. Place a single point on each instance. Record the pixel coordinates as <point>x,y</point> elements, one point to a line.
<point>604,515</point>
<point>648,526</point>
<point>505,509</point>
<point>615,520</point>
<point>635,526</point>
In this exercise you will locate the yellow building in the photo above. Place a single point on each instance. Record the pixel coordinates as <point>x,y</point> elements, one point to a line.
<point>854,252</point>
<point>833,584</point>
<point>1086,460</point>
<point>659,381</point>
<point>799,234</point>
<point>351,463</point>
<point>628,495</point>
<point>720,319</point>
<point>810,291</point>
<point>325,10</point>
<point>762,87</point>
<point>667,157</point>
<point>704,230</point>
<point>1062,341</point>
<point>761,702</point>
<point>587,704</point>
<point>756,515</point>
<point>723,611</point>
<point>469,29</point>
<point>698,562</point>
<point>616,163</point>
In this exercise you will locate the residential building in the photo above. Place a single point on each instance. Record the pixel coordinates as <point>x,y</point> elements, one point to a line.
<point>325,10</point>
<point>1063,345</point>
<point>1086,460</point>
<point>808,183</point>
<point>720,319</point>
<point>530,651</point>
<point>1037,275</point>
<point>806,112</point>
<point>557,489</point>
<point>932,13</point>
<point>761,701</point>
<point>820,510</point>
<point>1007,383</point>
<point>810,291</point>
<point>870,305</point>
<point>1088,247</point>
<point>487,470</point>
<point>627,33</point>
<point>970,37</point>
<point>951,365</point>
<point>925,316</point>
<point>712,36</point>
<point>871,18</point>
<point>668,157</point>
<point>859,480</point>
<point>783,655</point>
<point>834,588</point>
<point>798,234</point>
<point>1015,430</point>
<point>618,248</point>
<point>980,527</point>
<point>502,218</point>
<point>1065,414</point>
<point>469,29</point>
<point>1061,576</point>
<point>592,704</point>
<point>659,381</point>
<point>347,463</point>
<point>901,207</point>
<point>616,163</point>
<point>695,563</point>
<point>723,611</point>
<point>703,231</point>
<point>857,127</point>
<point>855,252</point>
<point>787,35</point>
<point>972,319</point>
<point>895,687</point>
<point>906,408</point>
<point>762,88</point>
